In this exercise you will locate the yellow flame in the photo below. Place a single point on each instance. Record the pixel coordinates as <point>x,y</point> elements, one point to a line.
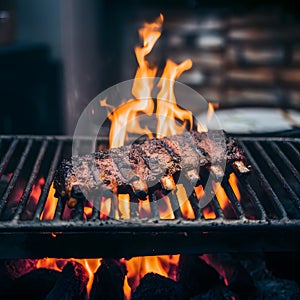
<point>50,206</point>
<point>124,118</point>
<point>167,110</point>
<point>234,184</point>
<point>185,205</point>
<point>138,267</point>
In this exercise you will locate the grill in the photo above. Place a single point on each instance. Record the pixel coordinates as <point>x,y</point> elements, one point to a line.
<point>267,218</point>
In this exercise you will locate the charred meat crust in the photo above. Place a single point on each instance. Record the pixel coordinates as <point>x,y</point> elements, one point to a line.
<point>145,163</point>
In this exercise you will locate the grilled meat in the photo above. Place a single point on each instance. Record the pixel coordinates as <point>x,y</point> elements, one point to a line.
<point>148,163</point>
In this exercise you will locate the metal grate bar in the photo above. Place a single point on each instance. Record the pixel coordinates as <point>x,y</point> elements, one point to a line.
<point>175,205</point>
<point>15,175</point>
<point>113,206</point>
<point>233,199</point>
<point>217,208</point>
<point>8,156</point>
<point>275,170</point>
<point>252,195</point>
<point>31,180</point>
<point>79,211</point>
<point>133,205</point>
<point>286,160</point>
<point>153,206</point>
<point>266,185</point>
<point>96,206</point>
<point>44,195</point>
<point>195,206</point>
<point>294,149</point>
<point>208,188</point>
<point>59,209</point>
<point>157,235</point>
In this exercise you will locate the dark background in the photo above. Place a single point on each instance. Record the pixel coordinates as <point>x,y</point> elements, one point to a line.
<point>56,56</point>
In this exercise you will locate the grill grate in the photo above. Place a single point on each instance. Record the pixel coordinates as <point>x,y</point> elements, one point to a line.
<point>266,218</point>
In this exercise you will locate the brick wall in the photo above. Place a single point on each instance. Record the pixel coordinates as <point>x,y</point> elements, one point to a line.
<point>238,59</point>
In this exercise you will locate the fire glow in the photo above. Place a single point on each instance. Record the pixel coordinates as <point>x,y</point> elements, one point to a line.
<point>124,120</point>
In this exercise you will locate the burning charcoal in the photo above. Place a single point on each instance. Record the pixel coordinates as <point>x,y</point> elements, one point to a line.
<point>18,267</point>
<point>34,285</point>
<point>148,163</point>
<point>109,280</point>
<point>71,283</point>
<point>235,275</point>
<point>276,289</point>
<point>219,293</point>
<point>10,210</point>
<point>154,286</point>
<point>196,276</point>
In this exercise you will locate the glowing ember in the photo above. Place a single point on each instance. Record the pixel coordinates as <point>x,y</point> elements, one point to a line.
<point>208,213</point>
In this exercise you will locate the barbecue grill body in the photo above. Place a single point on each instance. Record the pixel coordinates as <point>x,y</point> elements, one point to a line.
<point>266,219</point>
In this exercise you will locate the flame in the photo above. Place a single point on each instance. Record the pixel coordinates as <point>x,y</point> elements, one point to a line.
<point>208,213</point>
<point>105,207</point>
<point>57,264</point>
<point>37,190</point>
<point>124,206</point>
<point>171,119</point>
<point>144,208</point>
<point>221,194</point>
<point>210,111</point>
<point>50,205</point>
<point>185,205</point>
<point>234,184</point>
<point>167,110</point>
<point>124,118</point>
<point>35,194</point>
<point>165,209</point>
<point>138,267</point>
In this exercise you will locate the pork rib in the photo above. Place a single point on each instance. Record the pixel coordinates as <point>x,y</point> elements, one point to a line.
<point>149,162</point>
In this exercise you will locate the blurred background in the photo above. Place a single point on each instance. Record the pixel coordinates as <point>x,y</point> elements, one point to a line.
<point>56,56</point>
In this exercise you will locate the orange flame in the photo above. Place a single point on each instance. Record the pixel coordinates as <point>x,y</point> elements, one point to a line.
<point>185,205</point>
<point>167,110</point>
<point>91,266</point>
<point>233,181</point>
<point>35,193</point>
<point>171,119</point>
<point>144,208</point>
<point>138,267</point>
<point>50,206</point>
<point>124,118</point>
<point>221,194</point>
<point>124,206</point>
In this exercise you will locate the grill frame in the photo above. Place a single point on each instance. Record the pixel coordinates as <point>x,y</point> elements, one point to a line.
<point>126,238</point>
